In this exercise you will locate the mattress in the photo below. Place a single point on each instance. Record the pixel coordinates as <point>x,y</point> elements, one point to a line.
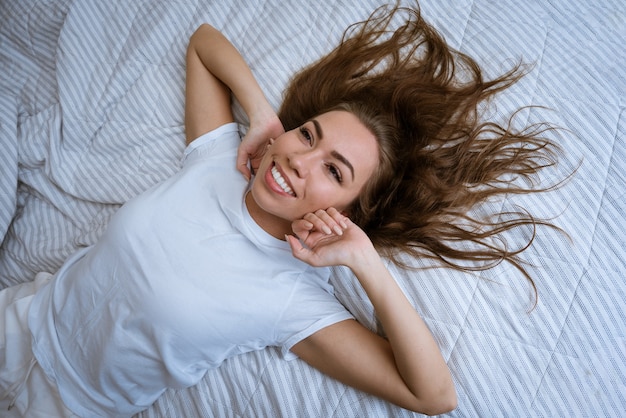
<point>91,114</point>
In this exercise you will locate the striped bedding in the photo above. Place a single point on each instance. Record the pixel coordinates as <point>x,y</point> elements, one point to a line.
<point>91,113</point>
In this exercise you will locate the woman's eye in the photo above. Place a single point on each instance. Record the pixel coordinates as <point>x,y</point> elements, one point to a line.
<point>306,135</point>
<point>335,173</point>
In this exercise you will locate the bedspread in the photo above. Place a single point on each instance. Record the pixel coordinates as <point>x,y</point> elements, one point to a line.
<point>91,113</point>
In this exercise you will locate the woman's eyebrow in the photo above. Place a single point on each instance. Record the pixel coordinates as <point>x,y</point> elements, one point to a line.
<point>345,161</point>
<point>318,129</point>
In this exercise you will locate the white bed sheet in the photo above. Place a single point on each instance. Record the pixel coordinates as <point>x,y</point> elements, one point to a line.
<point>91,113</point>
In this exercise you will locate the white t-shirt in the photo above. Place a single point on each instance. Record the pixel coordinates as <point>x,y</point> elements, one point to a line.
<point>182,279</point>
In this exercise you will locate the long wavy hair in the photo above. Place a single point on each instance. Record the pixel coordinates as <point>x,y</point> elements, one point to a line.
<point>438,159</point>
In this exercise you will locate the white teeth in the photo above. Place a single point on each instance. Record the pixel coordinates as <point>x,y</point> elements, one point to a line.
<point>281,181</point>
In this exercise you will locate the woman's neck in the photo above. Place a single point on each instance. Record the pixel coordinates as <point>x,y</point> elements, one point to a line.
<point>273,225</point>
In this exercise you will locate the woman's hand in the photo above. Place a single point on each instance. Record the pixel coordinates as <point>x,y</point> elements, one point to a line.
<point>262,129</point>
<point>330,239</point>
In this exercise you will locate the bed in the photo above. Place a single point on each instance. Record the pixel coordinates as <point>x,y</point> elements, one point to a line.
<point>91,113</point>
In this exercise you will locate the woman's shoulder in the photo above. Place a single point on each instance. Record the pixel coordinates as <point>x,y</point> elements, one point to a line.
<point>221,140</point>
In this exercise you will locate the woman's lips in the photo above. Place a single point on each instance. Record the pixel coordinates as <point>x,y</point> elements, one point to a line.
<point>277,182</point>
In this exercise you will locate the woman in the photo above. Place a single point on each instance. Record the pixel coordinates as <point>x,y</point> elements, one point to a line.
<point>205,266</point>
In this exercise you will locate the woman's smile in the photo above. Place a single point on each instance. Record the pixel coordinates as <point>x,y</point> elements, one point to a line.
<point>278,182</point>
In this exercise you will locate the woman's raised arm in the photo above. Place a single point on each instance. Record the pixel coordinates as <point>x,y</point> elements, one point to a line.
<point>407,368</point>
<point>215,69</point>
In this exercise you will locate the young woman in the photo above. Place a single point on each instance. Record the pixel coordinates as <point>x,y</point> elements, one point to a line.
<point>382,151</point>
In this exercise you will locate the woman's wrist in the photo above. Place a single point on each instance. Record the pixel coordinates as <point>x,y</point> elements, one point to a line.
<point>260,112</point>
<point>366,263</point>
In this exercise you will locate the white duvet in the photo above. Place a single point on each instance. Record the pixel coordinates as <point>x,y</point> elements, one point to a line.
<point>91,113</point>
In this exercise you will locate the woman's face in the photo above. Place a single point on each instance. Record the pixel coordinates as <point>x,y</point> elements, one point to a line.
<point>324,163</point>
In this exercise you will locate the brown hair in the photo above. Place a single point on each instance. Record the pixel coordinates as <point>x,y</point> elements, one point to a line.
<point>421,99</point>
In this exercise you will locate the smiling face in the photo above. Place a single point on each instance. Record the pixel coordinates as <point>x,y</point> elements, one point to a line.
<point>324,163</point>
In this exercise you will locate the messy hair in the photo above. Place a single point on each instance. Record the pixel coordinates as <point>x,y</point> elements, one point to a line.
<point>438,158</point>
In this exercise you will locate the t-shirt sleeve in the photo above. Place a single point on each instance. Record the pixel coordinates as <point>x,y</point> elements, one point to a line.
<point>310,309</point>
<point>222,139</point>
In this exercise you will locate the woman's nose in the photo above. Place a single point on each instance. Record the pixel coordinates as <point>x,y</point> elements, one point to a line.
<point>302,162</point>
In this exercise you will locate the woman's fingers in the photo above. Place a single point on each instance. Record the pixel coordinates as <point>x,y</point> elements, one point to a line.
<point>315,232</point>
<point>339,218</point>
<point>302,228</point>
<point>263,127</point>
<point>317,243</point>
<point>327,221</point>
<point>242,162</point>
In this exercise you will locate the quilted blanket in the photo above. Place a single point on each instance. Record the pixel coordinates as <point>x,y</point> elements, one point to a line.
<point>91,113</point>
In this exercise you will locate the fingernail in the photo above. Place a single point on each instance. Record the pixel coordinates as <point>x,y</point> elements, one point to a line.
<point>338,230</point>
<point>327,230</point>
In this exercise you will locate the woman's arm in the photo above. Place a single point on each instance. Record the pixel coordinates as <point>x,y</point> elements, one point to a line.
<point>407,368</point>
<point>214,70</point>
